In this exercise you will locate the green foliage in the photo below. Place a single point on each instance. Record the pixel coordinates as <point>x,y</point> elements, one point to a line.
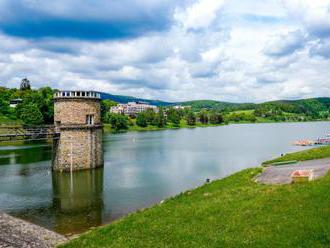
<point>105,109</point>
<point>25,84</point>
<point>203,117</point>
<point>215,105</point>
<point>118,121</point>
<point>173,116</point>
<point>31,115</point>
<point>191,118</point>
<point>216,118</point>
<point>42,99</point>
<point>241,117</point>
<point>160,119</point>
<point>141,120</point>
<point>4,107</point>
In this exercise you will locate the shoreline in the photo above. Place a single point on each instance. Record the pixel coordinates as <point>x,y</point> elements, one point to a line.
<point>16,232</point>
<point>108,129</point>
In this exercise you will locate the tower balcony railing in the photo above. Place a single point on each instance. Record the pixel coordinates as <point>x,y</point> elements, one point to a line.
<point>77,94</point>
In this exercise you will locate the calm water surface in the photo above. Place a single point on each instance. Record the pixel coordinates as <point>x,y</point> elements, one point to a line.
<point>140,170</point>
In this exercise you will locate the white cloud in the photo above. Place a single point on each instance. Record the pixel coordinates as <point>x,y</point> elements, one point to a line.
<point>285,44</point>
<point>212,50</point>
<point>199,15</point>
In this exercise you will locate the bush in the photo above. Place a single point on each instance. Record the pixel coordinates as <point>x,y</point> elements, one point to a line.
<point>203,117</point>
<point>118,122</point>
<point>31,115</point>
<point>141,120</point>
<point>173,116</point>
<point>191,118</point>
<point>216,118</point>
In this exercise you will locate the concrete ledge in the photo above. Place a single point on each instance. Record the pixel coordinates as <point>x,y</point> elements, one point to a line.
<point>18,233</point>
<point>282,174</point>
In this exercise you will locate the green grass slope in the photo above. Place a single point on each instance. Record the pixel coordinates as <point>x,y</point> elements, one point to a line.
<point>315,153</point>
<point>232,212</point>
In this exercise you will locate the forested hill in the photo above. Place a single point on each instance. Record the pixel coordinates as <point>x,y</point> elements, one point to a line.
<point>126,99</point>
<point>304,106</point>
<point>291,106</point>
<point>216,105</point>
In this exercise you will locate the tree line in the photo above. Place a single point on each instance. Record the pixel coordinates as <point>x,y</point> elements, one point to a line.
<point>165,117</point>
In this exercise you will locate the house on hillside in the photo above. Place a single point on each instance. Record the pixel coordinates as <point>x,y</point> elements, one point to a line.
<point>132,108</point>
<point>14,102</point>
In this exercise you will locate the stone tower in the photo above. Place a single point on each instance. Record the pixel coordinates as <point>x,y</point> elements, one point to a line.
<point>77,118</point>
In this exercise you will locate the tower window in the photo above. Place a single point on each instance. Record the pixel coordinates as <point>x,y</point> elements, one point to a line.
<point>90,119</point>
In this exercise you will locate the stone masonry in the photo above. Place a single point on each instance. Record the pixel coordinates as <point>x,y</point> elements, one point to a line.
<point>78,120</point>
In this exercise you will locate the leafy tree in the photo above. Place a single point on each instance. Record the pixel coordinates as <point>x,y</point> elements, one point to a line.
<point>118,121</point>
<point>141,120</point>
<point>25,84</point>
<point>203,117</point>
<point>160,118</point>
<point>105,108</point>
<point>150,116</point>
<point>4,107</point>
<point>173,116</point>
<point>216,118</point>
<point>191,118</point>
<point>31,115</point>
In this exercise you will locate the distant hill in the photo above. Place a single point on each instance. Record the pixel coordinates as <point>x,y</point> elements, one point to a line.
<point>126,99</point>
<point>216,105</point>
<point>306,106</point>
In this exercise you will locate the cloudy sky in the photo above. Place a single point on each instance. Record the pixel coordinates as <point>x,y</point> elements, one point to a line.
<point>238,51</point>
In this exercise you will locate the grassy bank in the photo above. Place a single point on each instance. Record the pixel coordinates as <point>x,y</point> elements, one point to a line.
<point>232,212</point>
<point>315,153</point>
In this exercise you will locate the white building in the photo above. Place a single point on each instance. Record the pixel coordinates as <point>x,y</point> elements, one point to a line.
<point>14,102</point>
<point>180,107</point>
<point>132,108</point>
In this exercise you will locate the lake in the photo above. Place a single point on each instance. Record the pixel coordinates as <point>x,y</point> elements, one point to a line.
<point>141,169</point>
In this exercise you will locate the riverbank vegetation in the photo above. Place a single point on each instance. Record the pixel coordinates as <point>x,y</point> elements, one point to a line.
<point>231,212</point>
<point>36,108</point>
<point>310,154</point>
<point>165,118</point>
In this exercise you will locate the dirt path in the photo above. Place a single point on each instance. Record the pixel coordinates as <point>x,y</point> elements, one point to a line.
<point>282,174</point>
<point>18,233</point>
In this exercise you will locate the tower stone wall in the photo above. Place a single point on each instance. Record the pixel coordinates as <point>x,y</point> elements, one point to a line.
<point>77,117</point>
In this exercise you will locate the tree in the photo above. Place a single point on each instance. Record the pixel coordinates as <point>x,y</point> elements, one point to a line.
<point>216,118</point>
<point>191,118</point>
<point>31,115</point>
<point>25,84</point>
<point>150,116</point>
<point>203,117</point>
<point>141,120</point>
<point>160,118</point>
<point>105,108</point>
<point>42,98</point>
<point>4,107</point>
<point>118,121</point>
<point>173,116</point>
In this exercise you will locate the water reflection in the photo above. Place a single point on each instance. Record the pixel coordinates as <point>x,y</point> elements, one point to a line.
<point>80,196</point>
<point>25,154</point>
